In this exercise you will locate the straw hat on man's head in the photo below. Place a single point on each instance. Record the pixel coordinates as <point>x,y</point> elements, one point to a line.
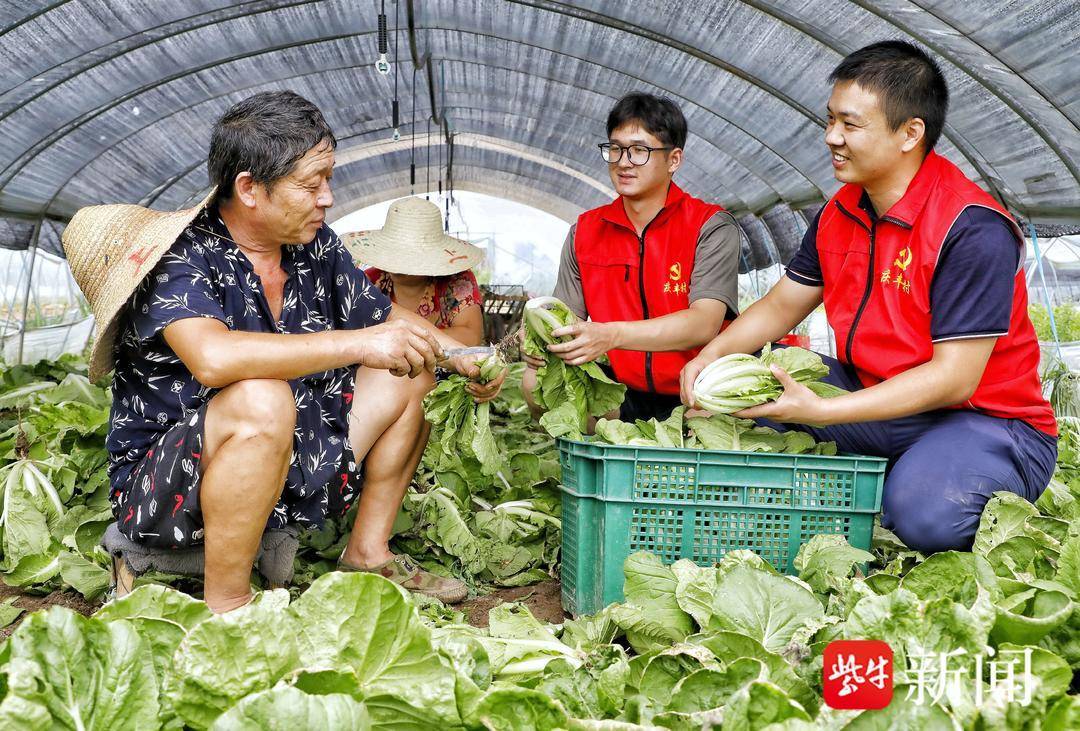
<point>110,250</point>
<point>412,241</point>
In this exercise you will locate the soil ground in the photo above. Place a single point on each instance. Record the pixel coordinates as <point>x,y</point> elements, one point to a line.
<point>542,599</point>
<point>71,600</point>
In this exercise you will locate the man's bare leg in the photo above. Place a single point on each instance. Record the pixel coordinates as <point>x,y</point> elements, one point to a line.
<point>247,447</point>
<point>388,433</point>
<point>528,385</point>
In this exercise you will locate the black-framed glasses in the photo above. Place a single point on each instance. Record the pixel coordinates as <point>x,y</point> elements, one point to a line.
<point>636,154</point>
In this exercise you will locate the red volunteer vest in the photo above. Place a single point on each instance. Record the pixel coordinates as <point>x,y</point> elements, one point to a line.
<point>625,277</point>
<point>877,291</point>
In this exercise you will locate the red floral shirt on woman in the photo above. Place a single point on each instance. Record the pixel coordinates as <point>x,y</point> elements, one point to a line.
<point>446,297</point>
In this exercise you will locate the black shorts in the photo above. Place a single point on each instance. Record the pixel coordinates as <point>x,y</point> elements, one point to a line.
<point>158,505</point>
<point>645,405</point>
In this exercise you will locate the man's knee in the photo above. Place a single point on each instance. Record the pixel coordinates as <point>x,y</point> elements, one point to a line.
<point>390,391</point>
<point>931,514</point>
<point>259,408</point>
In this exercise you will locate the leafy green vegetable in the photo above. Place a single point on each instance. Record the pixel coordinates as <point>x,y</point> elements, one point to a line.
<point>80,673</point>
<point>739,381</point>
<point>768,608</point>
<point>733,646</point>
<point>826,561</point>
<point>53,478</point>
<point>286,707</point>
<point>568,394</point>
<point>462,438</point>
<point>366,624</point>
<point>9,612</point>
<point>201,686</point>
<point>720,431</point>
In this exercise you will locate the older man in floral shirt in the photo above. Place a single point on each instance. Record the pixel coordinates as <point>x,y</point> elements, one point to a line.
<point>236,405</point>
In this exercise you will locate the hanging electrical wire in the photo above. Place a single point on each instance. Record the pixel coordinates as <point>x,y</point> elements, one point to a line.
<point>395,105</point>
<point>412,139</point>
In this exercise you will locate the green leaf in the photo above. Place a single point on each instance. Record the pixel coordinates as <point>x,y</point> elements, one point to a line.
<point>260,636</point>
<point>9,612</point>
<point>35,569</point>
<point>446,527</point>
<point>952,574</point>
<point>1006,516</point>
<point>730,646</point>
<point>23,707</point>
<point>694,589</point>
<point>707,688</point>
<point>518,709</point>
<point>366,623</point>
<point>89,674</point>
<point>759,704</point>
<point>1026,617</point>
<point>569,394</point>
<point>768,608</point>
<point>825,562</point>
<point>154,601</point>
<point>597,689</point>
<point>660,672</point>
<point>86,577</point>
<point>1063,715</point>
<point>1050,671</point>
<point>285,708</point>
<point>917,629</point>
<point>1068,571</point>
<point>650,586</point>
<point>902,713</point>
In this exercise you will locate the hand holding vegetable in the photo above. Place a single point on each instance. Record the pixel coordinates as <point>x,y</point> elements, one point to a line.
<point>483,391</point>
<point>740,381</point>
<point>399,346</point>
<point>797,404</point>
<point>688,377</point>
<point>569,393</point>
<point>531,361</point>
<point>589,341</point>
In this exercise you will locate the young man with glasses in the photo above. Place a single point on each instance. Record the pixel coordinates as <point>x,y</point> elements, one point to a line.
<point>652,275</point>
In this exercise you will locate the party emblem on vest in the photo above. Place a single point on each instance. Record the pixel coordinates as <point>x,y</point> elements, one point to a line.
<point>901,262</point>
<point>674,275</point>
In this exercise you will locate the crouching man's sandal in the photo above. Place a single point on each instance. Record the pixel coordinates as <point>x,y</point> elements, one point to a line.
<point>404,572</point>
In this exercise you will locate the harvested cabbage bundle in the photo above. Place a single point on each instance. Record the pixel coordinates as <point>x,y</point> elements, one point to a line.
<point>740,381</point>
<point>569,394</point>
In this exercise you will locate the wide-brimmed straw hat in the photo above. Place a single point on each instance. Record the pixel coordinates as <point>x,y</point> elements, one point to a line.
<point>412,241</point>
<point>110,250</point>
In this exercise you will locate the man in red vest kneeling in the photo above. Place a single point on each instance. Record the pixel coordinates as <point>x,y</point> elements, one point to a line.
<point>654,274</point>
<point>921,273</point>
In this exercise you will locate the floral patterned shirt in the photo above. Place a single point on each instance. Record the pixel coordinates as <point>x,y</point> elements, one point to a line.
<point>205,275</point>
<point>448,296</point>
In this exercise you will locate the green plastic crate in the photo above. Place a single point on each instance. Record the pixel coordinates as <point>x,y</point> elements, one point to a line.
<point>697,504</point>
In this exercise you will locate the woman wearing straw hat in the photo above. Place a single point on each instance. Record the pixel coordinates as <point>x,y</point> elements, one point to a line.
<point>238,329</point>
<point>421,268</point>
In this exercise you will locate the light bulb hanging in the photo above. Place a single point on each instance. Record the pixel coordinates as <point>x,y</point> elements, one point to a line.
<point>382,65</point>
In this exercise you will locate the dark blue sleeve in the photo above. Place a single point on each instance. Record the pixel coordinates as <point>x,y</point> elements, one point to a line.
<point>180,286</point>
<point>804,267</point>
<point>971,293</point>
<point>357,302</point>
